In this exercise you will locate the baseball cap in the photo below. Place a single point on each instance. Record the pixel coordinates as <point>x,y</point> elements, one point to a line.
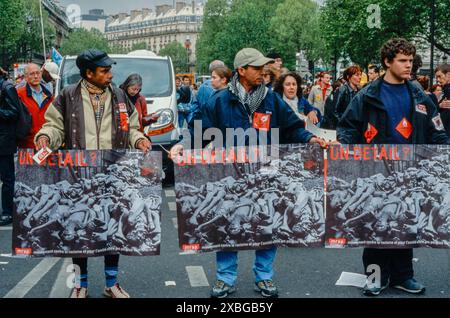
<point>52,68</point>
<point>94,57</point>
<point>251,57</point>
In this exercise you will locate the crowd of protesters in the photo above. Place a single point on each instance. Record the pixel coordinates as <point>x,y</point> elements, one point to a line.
<point>258,88</point>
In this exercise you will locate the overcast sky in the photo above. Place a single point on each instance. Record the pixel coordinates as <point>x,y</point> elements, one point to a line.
<point>116,6</point>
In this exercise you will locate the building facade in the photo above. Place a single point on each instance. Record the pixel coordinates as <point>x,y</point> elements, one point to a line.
<point>58,18</point>
<point>157,28</point>
<point>96,19</point>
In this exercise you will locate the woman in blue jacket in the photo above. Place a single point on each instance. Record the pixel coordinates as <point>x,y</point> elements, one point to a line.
<point>289,88</point>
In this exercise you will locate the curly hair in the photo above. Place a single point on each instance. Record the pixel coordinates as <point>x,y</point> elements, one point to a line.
<point>396,46</point>
<point>279,84</point>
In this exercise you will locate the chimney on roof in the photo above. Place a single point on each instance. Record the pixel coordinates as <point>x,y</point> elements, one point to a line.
<point>162,9</point>
<point>135,13</point>
<point>146,12</point>
<point>122,16</point>
<point>180,5</point>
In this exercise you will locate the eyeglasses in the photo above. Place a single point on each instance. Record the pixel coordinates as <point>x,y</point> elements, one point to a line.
<point>37,73</point>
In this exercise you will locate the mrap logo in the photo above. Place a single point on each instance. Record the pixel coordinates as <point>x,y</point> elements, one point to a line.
<point>23,251</point>
<point>191,247</point>
<point>337,242</point>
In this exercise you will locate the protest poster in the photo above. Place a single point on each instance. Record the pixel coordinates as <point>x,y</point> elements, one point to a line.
<point>88,203</point>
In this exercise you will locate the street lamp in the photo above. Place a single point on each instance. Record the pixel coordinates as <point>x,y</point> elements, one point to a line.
<point>432,29</point>
<point>187,45</point>
<point>42,29</point>
<point>29,21</point>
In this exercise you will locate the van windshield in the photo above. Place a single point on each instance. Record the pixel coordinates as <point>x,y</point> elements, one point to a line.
<point>156,75</point>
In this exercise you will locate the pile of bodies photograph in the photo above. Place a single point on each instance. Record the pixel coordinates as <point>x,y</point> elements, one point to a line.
<point>88,203</point>
<point>406,203</point>
<point>247,205</point>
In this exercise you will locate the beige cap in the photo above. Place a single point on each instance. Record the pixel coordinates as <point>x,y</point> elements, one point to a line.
<point>251,57</point>
<point>53,69</point>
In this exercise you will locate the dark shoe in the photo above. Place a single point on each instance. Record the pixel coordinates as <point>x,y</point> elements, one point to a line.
<point>266,288</point>
<point>411,286</point>
<point>5,220</point>
<point>221,290</point>
<point>373,290</point>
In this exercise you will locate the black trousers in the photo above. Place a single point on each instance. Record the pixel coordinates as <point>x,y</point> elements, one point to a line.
<point>82,262</point>
<point>395,264</point>
<point>8,178</point>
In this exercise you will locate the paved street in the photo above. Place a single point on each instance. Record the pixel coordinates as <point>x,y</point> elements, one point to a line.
<point>300,273</point>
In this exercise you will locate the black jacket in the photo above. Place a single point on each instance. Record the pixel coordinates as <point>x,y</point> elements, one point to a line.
<point>9,105</point>
<point>445,113</point>
<point>367,108</point>
<point>330,116</point>
<point>342,99</point>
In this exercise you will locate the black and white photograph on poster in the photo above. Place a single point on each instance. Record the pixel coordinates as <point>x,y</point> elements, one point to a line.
<point>392,196</point>
<point>236,206</point>
<point>88,203</point>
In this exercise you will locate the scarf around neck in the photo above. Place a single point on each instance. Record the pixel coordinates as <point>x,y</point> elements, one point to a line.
<point>251,100</point>
<point>293,103</point>
<point>98,99</point>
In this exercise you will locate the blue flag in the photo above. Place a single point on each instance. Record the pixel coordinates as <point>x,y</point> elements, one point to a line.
<point>56,56</point>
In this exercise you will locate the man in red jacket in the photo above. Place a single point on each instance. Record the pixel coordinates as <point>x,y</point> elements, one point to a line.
<point>36,98</point>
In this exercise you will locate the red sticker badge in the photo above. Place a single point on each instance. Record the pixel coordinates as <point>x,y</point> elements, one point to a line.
<point>261,121</point>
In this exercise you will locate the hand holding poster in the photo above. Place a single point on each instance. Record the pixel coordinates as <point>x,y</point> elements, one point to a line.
<point>232,205</point>
<point>88,203</point>
<point>388,196</point>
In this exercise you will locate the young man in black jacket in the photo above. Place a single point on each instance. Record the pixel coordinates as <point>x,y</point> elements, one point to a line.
<point>9,112</point>
<point>392,110</point>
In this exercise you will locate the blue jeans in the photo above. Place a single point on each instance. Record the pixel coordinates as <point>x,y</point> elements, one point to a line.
<point>227,265</point>
<point>182,116</point>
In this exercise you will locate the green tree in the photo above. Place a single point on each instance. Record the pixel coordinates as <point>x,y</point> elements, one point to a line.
<point>296,27</point>
<point>235,25</point>
<point>213,21</point>
<point>81,39</point>
<point>31,39</point>
<point>117,49</point>
<point>348,32</point>
<point>247,25</point>
<point>178,54</point>
<point>12,26</point>
<point>139,46</point>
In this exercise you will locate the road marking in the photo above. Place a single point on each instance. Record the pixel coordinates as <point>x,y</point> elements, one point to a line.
<point>175,222</point>
<point>3,263</point>
<point>28,282</point>
<point>172,206</point>
<point>197,276</point>
<point>6,228</point>
<point>170,193</point>
<point>60,289</point>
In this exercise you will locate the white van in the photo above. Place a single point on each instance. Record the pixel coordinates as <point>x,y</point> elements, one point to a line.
<point>158,87</point>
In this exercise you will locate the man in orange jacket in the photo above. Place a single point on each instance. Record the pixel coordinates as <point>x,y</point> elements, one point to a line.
<point>36,98</point>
